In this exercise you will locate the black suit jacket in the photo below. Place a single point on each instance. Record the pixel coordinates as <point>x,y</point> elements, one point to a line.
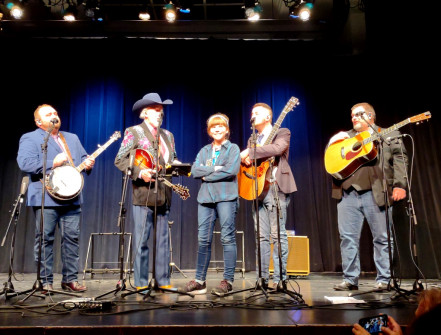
<point>395,160</point>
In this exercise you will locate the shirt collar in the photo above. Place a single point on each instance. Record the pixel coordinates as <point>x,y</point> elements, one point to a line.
<point>150,127</point>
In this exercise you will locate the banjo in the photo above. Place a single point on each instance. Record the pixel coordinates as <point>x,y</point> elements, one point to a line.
<point>66,182</point>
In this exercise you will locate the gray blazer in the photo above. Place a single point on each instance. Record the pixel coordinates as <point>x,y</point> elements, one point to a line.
<point>279,149</point>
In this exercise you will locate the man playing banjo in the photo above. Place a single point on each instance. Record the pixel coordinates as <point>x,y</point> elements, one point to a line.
<point>64,150</point>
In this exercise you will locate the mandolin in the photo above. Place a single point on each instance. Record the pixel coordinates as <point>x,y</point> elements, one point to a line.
<point>144,160</point>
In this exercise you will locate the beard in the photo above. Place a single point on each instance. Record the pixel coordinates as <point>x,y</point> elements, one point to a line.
<point>359,127</point>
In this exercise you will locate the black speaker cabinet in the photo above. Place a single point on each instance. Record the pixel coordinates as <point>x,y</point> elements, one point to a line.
<point>298,256</point>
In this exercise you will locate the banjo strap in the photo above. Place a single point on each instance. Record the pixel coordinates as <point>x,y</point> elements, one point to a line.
<point>69,156</point>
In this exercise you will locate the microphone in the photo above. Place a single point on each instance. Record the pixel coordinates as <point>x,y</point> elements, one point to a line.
<point>24,187</point>
<point>390,138</point>
<point>253,119</point>
<point>54,121</point>
<point>131,160</point>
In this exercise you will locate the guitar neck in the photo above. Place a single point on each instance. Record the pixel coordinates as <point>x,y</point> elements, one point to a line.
<point>375,137</point>
<point>288,107</point>
<point>276,127</point>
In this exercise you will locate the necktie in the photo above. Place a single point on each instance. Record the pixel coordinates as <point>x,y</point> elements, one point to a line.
<point>260,138</point>
<point>57,140</point>
<point>161,143</point>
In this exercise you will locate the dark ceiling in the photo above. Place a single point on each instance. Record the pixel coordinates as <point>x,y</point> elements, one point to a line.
<point>207,19</point>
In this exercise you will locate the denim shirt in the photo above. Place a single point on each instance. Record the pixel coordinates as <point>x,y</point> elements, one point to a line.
<point>220,185</point>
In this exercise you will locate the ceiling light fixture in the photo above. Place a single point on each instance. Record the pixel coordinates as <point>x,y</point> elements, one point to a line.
<point>170,12</point>
<point>15,9</point>
<point>184,6</point>
<point>69,14</point>
<point>144,15</point>
<point>301,9</point>
<point>253,10</point>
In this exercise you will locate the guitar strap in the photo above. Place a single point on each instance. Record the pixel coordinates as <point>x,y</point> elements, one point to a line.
<point>69,156</point>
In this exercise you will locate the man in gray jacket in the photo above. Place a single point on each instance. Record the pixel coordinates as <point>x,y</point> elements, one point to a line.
<point>279,184</point>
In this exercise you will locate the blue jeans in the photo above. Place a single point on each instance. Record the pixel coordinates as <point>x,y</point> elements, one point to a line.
<point>353,208</point>
<point>207,214</point>
<point>143,218</point>
<point>68,220</point>
<point>269,234</point>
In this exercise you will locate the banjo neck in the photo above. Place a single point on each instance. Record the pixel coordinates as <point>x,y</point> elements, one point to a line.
<point>100,149</point>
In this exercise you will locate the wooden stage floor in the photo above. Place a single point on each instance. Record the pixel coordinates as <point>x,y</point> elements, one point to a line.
<point>307,308</point>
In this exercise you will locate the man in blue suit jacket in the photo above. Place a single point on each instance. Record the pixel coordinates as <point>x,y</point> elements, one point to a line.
<point>62,148</point>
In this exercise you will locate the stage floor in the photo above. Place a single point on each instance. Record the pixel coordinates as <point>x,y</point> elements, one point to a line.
<point>306,306</point>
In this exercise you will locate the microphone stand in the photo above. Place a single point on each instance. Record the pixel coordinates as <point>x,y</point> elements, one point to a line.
<point>394,285</point>
<point>281,285</point>
<point>38,286</point>
<point>417,285</point>
<point>121,285</point>
<point>260,283</point>
<point>153,285</point>
<point>8,288</point>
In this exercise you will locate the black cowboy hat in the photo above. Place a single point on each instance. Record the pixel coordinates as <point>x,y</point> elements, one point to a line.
<point>150,99</point>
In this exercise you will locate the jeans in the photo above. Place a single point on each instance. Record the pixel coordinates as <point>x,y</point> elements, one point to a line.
<point>353,208</point>
<point>68,220</point>
<point>143,219</point>
<point>269,234</point>
<point>207,214</point>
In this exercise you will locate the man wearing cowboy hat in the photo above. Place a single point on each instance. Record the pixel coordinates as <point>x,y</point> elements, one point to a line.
<point>144,199</point>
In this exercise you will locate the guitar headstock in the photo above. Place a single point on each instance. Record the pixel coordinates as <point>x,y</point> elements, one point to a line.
<point>116,135</point>
<point>182,191</point>
<point>420,117</point>
<point>291,104</point>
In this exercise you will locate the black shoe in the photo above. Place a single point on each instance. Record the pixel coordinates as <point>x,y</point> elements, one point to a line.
<point>345,286</point>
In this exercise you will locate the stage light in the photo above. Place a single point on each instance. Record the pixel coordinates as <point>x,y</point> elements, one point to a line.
<point>15,9</point>
<point>99,15</point>
<point>69,14</point>
<point>170,12</point>
<point>92,10</point>
<point>184,6</point>
<point>144,15</point>
<point>16,12</point>
<point>253,11</point>
<point>301,10</point>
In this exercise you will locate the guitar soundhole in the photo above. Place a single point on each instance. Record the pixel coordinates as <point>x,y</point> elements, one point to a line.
<point>356,146</point>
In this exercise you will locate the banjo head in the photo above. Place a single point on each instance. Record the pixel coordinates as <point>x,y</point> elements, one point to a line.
<point>64,182</point>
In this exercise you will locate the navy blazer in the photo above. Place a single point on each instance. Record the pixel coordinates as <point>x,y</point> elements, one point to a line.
<point>30,161</point>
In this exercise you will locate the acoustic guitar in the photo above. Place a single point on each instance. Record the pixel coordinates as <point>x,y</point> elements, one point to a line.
<point>343,158</point>
<point>144,160</point>
<point>248,174</point>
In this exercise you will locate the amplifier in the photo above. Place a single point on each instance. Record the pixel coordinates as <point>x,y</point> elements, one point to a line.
<point>298,256</point>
